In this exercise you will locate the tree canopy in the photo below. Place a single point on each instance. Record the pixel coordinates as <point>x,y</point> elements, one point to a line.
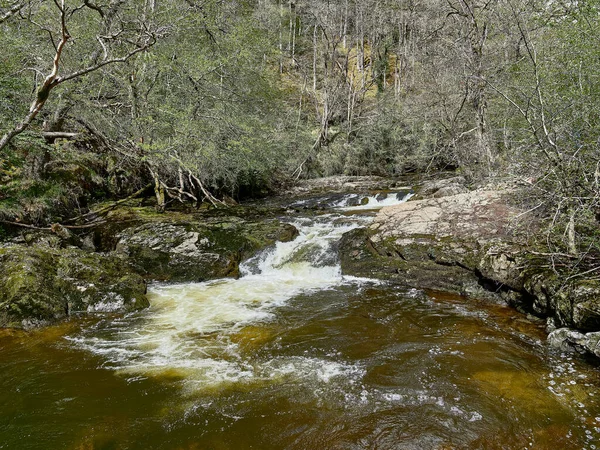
<point>206,99</point>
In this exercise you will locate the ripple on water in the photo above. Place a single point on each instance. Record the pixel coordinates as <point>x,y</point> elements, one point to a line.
<point>311,359</point>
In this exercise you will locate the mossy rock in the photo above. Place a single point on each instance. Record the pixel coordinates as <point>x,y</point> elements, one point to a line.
<point>41,285</point>
<point>585,302</point>
<point>191,251</point>
<point>25,297</point>
<point>411,265</point>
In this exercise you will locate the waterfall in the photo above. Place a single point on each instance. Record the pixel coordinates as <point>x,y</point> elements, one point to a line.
<point>189,327</point>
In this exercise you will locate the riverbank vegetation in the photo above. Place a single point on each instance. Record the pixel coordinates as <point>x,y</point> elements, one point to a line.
<point>210,100</point>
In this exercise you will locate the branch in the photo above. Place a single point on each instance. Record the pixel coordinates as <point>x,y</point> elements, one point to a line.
<point>59,135</point>
<point>525,115</point>
<point>95,67</point>
<point>12,10</point>
<point>53,80</point>
<point>70,227</point>
<point>109,207</point>
<point>94,7</point>
<point>49,83</point>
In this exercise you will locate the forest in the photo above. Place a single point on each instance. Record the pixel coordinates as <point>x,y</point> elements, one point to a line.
<point>212,100</point>
<point>299,224</point>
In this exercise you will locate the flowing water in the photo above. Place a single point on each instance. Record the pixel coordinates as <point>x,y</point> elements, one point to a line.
<point>293,355</point>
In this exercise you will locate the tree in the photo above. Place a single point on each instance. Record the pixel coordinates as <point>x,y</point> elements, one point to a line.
<point>118,37</point>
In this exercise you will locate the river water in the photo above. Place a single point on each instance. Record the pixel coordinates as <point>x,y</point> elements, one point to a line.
<point>293,355</point>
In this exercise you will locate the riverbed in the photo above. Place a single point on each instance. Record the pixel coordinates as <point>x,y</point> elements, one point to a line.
<point>295,355</point>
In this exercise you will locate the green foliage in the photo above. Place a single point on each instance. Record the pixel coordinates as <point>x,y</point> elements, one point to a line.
<point>242,95</point>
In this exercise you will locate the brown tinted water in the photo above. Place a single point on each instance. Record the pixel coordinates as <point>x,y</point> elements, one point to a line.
<point>374,367</point>
<point>294,356</point>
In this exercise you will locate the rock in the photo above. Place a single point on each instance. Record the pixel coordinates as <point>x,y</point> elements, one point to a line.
<point>565,339</point>
<point>550,325</point>
<point>476,216</point>
<point>468,243</point>
<point>592,343</point>
<point>187,251</point>
<point>447,191</point>
<point>353,201</point>
<point>503,267</point>
<point>41,285</point>
<point>437,243</point>
<point>342,184</point>
<point>442,188</point>
<point>414,267</point>
<point>585,298</point>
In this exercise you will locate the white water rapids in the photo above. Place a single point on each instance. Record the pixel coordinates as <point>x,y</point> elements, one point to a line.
<point>191,330</point>
<point>294,355</point>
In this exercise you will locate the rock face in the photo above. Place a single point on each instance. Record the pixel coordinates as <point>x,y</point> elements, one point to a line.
<point>342,183</point>
<point>185,251</point>
<point>471,243</point>
<point>40,285</point>
<point>442,188</point>
<point>434,243</point>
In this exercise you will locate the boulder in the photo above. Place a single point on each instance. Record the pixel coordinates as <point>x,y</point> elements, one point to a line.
<point>470,243</point>
<point>435,243</point>
<point>565,339</point>
<point>442,188</point>
<point>191,251</point>
<point>40,285</point>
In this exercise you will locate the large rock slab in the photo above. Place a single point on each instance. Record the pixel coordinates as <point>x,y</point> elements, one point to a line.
<point>474,243</point>
<point>435,243</point>
<point>192,251</point>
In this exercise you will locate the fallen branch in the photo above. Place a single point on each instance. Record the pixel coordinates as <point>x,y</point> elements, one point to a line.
<point>70,227</point>
<point>109,207</point>
<point>59,135</point>
<point>207,194</point>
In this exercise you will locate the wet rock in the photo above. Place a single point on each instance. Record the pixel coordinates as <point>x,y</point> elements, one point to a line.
<point>566,339</point>
<point>41,285</point>
<point>584,295</point>
<point>343,184</point>
<point>472,235</point>
<point>185,251</point>
<point>437,243</point>
<point>353,201</point>
<point>412,265</point>
<point>592,343</point>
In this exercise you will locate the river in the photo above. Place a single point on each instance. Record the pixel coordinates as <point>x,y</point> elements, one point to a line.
<point>294,355</point>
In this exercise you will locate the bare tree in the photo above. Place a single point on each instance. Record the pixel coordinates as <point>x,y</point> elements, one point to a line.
<point>142,38</point>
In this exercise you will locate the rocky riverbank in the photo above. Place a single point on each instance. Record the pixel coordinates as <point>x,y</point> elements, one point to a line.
<point>47,276</point>
<point>476,244</point>
<point>447,238</point>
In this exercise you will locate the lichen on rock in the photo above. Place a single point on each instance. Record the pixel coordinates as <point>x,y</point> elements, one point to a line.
<point>193,251</point>
<point>470,243</point>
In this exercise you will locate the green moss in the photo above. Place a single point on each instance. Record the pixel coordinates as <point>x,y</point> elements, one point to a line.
<point>41,285</point>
